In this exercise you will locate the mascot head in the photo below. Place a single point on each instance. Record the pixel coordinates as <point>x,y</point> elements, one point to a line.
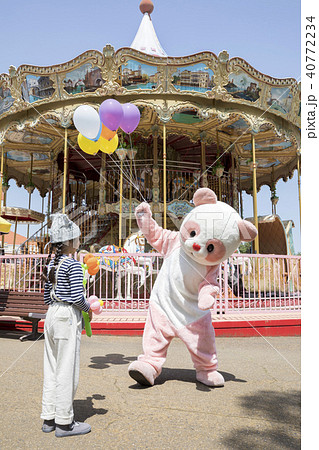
<point>213,230</point>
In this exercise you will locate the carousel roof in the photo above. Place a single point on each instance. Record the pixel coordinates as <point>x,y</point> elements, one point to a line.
<point>200,97</point>
<point>22,215</point>
<point>146,40</point>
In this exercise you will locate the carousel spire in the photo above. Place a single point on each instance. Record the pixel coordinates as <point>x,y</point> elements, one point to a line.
<point>146,40</point>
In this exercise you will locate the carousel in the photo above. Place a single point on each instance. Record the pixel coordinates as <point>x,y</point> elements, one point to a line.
<point>205,120</point>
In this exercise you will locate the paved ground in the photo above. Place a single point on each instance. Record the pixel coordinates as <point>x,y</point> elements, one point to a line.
<point>258,408</point>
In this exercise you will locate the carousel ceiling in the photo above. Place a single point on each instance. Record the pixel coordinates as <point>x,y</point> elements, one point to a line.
<point>200,97</point>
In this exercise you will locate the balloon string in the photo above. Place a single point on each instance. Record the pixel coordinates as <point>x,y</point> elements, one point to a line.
<point>134,166</point>
<point>128,178</point>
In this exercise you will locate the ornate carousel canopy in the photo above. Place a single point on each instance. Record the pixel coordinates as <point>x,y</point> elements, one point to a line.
<point>203,97</point>
<point>22,215</point>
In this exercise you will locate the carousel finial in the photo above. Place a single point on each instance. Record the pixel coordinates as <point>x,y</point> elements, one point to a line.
<point>146,6</point>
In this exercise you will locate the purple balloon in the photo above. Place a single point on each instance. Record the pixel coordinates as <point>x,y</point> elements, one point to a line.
<point>111,114</point>
<point>131,118</point>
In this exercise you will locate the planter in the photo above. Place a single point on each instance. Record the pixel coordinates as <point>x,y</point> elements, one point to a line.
<point>219,171</point>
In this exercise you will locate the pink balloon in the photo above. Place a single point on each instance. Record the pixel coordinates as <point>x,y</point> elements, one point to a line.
<point>131,118</point>
<point>111,114</point>
<point>95,304</point>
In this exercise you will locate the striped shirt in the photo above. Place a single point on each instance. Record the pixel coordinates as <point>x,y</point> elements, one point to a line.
<point>69,287</point>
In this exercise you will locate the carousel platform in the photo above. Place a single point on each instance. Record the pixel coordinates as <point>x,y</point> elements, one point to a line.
<point>226,325</point>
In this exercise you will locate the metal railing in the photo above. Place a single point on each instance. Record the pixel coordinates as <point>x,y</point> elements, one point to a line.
<point>247,283</point>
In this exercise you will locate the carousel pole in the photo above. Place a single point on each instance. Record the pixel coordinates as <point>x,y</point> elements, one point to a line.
<point>219,178</point>
<point>121,204</point>
<point>131,154</point>
<point>65,165</point>
<point>164,173</point>
<point>1,177</point>
<point>121,153</point>
<point>299,193</point>
<point>256,241</point>
<point>30,191</point>
<point>1,181</point>
<point>239,188</point>
<point>15,234</point>
<point>203,176</point>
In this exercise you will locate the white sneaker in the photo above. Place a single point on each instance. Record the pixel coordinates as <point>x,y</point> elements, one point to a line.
<point>73,429</point>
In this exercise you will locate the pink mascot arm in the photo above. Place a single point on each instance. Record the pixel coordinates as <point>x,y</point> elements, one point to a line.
<point>164,241</point>
<point>208,289</point>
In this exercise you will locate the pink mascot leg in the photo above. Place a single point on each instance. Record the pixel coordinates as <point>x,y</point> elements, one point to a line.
<point>199,338</point>
<point>157,336</point>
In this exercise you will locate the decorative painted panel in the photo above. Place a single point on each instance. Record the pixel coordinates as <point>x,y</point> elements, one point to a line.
<point>6,99</point>
<point>280,99</point>
<point>179,208</point>
<point>20,156</point>
<point>136,75</point>
<point>36,88</point>
<point>196,77</point>
<point>26,137</point>
<point>86,78</point>
<point>238,127</point>
<point>243,86</point>
<point>269,145</point>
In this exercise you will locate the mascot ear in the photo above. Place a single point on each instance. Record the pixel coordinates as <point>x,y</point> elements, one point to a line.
<point>247,231</point>
<point>203,196</point>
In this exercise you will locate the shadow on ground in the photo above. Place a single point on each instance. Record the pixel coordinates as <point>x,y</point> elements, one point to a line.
<point>17,334</point>
<point>188,376</point>
<point>104,362</point>
<point>282,409</point>
<point>83,409</point>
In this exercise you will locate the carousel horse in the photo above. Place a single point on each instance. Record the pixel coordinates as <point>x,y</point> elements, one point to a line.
<point>139,266</point>
<point>139,180</point>
<point>180,184</point>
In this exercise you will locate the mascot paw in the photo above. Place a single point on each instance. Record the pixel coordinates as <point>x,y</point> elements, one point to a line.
<point>206,300</point>
<point>143,210</point>
<point>142,372</point>
<point>210,378</point>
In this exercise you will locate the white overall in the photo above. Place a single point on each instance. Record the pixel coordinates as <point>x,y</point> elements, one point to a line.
<point>62,329</point>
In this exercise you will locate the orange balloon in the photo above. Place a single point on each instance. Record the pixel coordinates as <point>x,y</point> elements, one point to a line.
<point>92,263</point>
<point>107,134</point>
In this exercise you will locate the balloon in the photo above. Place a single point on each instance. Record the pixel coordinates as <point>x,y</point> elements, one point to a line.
<point>87,122</point>
<point>111,113</point>
<point>107,134</point>
<point>88,146</point>
<point>95,304</point>
<point>131,118</point>
<point>109,146</point>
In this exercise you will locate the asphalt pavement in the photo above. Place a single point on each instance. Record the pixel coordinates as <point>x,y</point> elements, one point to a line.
<point>258,408</point>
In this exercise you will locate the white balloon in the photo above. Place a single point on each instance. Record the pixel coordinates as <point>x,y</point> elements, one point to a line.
<point>87,122</point>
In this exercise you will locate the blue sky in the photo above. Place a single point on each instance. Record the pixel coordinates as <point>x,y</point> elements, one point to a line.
<point>265,33</point>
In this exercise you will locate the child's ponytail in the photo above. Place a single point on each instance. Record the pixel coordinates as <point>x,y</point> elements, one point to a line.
<point>44,275</point>
<point>58,254</point>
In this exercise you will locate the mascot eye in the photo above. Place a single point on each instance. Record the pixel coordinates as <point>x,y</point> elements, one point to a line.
<point>192,233</point>
<point>210,248</point>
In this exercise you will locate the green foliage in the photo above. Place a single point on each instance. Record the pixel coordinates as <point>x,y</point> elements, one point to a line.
<point>245,247</point>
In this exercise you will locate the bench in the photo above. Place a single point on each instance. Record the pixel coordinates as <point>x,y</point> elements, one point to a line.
<point>27,305</point>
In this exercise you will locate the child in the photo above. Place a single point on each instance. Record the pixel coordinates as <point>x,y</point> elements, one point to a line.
<point>64,292</point>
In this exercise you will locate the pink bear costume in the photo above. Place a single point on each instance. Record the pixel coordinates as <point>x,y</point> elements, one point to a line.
<point>186,285</point>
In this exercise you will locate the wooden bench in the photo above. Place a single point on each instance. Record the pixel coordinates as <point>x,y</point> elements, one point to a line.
<point>27,305</point>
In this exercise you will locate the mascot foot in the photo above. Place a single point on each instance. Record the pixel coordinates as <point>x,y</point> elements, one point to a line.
<point>210,378</point>
<point>142,372</point>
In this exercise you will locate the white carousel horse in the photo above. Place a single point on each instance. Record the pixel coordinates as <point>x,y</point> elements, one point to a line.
<point>139,180</point>
<point>140,266</point>
<point>136,244</point>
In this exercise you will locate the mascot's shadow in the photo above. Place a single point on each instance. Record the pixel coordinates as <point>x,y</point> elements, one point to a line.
<point>188,376</point>
<point>83,409</point>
